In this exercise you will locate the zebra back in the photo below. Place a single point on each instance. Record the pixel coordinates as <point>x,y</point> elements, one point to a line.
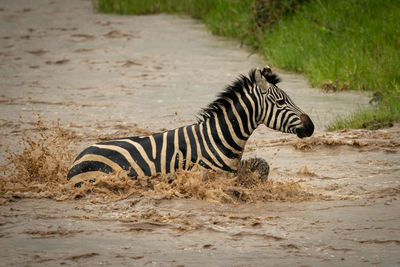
<point>216,141</point>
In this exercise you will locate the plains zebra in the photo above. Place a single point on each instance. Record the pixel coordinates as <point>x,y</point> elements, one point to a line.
<point>216,141</point>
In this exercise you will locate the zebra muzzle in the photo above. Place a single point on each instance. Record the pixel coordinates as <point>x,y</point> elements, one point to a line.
<point>307,128</point>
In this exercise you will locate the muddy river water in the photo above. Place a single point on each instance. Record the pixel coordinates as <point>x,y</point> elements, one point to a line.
<point>109,76</point>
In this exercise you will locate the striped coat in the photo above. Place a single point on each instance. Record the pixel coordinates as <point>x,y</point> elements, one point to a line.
<point>216,141</point>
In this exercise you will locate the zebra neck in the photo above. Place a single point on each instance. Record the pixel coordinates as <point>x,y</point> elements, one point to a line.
<point>229,136</point>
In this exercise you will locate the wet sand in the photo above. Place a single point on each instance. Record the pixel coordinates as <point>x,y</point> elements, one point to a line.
<point>109,76</point>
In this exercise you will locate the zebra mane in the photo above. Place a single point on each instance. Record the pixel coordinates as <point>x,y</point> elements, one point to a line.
<point>239,85</point>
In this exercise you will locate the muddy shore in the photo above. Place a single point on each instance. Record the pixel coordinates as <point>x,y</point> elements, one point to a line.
<point>107,76</point>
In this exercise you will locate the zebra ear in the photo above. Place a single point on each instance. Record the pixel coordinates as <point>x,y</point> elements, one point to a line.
<point>261,82</point>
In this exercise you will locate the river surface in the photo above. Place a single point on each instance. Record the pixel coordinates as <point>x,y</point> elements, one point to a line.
<point>107,76</point>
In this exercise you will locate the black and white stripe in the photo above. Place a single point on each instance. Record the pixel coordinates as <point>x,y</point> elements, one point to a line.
<point>216,141</point>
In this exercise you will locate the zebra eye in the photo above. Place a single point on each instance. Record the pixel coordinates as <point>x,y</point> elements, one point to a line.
<point>280,102</point>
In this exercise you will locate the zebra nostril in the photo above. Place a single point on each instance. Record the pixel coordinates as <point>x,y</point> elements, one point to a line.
<point>308,126</point>
<point>304,118</point>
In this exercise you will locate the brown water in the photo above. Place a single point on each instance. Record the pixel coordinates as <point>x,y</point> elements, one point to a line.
<point>331,199</point>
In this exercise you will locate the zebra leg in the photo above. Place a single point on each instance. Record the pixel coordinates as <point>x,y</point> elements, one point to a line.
<point>252,171</point>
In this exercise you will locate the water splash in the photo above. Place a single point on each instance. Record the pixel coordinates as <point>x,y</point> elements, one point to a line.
<point>39,169</point>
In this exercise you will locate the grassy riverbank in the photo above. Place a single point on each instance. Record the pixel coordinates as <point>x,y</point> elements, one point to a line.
<point>337,45</point>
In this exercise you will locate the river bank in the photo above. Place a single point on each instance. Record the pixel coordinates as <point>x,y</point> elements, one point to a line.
<point>334,44</point>
<point>106,76</point>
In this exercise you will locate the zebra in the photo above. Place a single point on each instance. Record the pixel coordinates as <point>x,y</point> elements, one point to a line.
<point>215,142</point>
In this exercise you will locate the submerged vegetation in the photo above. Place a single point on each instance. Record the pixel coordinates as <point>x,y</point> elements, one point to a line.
<point>338,45</point>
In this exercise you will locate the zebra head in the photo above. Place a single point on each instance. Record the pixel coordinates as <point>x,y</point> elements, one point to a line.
<point>279,112</point>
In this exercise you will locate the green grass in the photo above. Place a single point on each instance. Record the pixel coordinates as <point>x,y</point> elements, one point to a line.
<point>380,116</point>
<point>230,18</point>
<point>341,45</point>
